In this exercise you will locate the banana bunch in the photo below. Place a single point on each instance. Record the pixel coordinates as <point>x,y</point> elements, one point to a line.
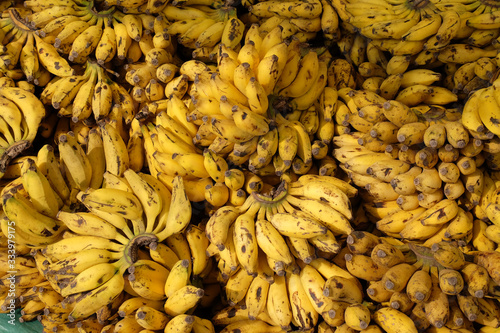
<point>436,286</point>
<point>22,113</point>
<point>137,6</point>
<point>25,54</point>
<point>297,297</point>
<point>479,118</point>
<point>202,26</point>
<point>471,76</point>
<point>127,213</point>
<point>89,94</point>
<point>302,19</point>
<point>291,222</point>
<point>27,274</point>
<point>169,148</point>
<point>235,104</point>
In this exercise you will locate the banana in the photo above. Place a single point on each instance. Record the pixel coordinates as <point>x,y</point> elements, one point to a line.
<point>98,297</point>
<point>246,243</point>
<point>51,60</point>
<point>42,195</point>
<point>388,255</point>
<point>393,321</point>
<point>179,214</point>
<point>151,318</point>
<point>419,286</point>
<point>468,305</point>
<point>487,260</point>
<point>86,42</point>
<point>327,192</point>
<point>483,21</point>
<point>342,289</point>
<point>437,306</point>
<point>198,243</point>
<point>463,53</point>
<point>355,265</point>
<point>149,197</point>
<point>308,71</point>
<point>396,277</point>
<point>250,121</point>
<point>303,312</point>
<point>182,323</point>
<point>115,149</point>
<point>425,28</point>
<point>218,225</point>
<point>256,296</point>
<point>30,106</point>
<point>272,242</point>
<point>182,300</point>
<point>357,316</point>
<point>324,213</point>
<point>344,186</point>
<point>301,227</point>
<point>148,279</point>
<point>486,109</point>
<point>278,304</point>
<point>129,306</point>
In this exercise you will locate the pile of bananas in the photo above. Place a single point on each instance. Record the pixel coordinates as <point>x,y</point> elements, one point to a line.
<point>250,166</point>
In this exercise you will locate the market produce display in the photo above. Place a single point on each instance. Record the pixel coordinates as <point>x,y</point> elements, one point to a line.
<point>250,166</point>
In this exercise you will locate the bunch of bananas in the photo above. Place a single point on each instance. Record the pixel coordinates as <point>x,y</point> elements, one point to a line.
<point>437,286</point>
<point>91,94</point>
<point>87,270</point>
<point>19,290</point>
<point>202,26</point>
<point>22,113</point>
<point>301,19</point>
